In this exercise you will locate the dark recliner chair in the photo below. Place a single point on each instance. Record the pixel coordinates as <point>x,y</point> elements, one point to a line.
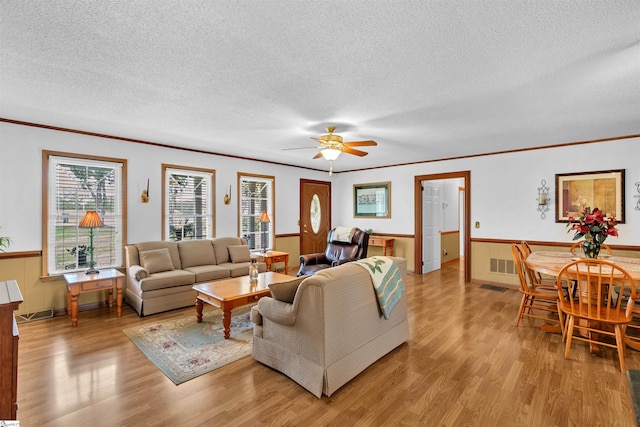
<point>337,253</point>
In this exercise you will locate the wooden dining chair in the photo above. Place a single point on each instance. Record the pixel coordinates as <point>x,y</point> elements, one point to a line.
<point>596,303</point>
<point>536,299</point>
<point>576,248</point>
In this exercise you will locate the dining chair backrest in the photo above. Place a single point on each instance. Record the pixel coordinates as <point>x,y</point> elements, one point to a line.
<point>526,284</point>
<point>578,245</point>
<point>526,249</point>
<point>592,284</point>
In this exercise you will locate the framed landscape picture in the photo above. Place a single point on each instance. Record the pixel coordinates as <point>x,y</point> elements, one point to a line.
<point>603,190</point>
<point>372,200</point>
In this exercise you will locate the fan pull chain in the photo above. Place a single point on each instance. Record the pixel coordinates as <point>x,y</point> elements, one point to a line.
<point>330,167</point>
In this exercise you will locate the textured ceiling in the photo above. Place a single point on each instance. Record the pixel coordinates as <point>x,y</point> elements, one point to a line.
<point>425,79</point>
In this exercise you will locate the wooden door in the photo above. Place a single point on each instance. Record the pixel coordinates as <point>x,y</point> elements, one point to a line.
<point>431,226</point>
<point>315,215</point>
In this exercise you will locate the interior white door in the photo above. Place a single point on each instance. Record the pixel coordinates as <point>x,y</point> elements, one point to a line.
<point>431,226</point>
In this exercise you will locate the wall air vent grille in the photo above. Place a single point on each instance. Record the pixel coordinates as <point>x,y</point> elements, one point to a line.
<point>503,266</point>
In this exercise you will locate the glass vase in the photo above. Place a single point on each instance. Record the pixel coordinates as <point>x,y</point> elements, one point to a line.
<point>591,249</point>
<point>253,273</point>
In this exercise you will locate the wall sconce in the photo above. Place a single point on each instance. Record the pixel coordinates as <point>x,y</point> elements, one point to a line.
<point>637,196</point>
<point>227,197</point>
<point>543,198</point>
<point>144,197</point>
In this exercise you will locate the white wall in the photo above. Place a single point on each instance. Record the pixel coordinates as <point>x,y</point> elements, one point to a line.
<point>503,190</point>
<point>503,187</point>
<point>21,182</point>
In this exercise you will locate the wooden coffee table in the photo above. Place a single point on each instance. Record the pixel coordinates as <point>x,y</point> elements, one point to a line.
<point>235,292</point>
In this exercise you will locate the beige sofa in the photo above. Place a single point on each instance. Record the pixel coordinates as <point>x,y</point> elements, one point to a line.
<point>161,274</point>
<point>331,331</point>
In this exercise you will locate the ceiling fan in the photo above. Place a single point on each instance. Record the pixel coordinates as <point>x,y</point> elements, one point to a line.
<point>332,145</point>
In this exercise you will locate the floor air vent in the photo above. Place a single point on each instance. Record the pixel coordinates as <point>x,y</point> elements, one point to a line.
<point>38,315</point>
<point>494,288</point>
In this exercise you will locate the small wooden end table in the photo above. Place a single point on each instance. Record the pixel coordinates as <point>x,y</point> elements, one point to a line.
<point>232,293</point>
<point>80,282</point>
<point>385,242</point>
<point>271,257</point>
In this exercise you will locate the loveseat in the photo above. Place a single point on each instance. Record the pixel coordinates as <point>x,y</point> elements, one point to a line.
<point>327,328</point>
<point>161,274</point>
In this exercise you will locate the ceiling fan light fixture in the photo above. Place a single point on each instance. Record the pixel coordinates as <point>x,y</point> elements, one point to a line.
<point>330,153</point>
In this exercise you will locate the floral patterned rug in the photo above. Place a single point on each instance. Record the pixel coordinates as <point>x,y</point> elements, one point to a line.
<point>184,349</point>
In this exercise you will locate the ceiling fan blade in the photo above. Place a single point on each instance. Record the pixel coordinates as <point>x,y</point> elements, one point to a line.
<point>368,143</point>
<point>317,156</point>
<point>297,148</point>
<point>354,152</point>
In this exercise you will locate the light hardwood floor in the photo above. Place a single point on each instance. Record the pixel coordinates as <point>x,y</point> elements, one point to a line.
<point>465,364</point>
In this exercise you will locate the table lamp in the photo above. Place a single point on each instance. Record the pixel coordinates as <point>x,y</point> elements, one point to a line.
<point>264,218</point>
<point>90,220</point>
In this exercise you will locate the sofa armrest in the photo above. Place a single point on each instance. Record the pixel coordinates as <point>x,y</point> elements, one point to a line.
<point>277,311</point>
<point>256,316</point>
<point>312,259</point>
<point>138,272</point>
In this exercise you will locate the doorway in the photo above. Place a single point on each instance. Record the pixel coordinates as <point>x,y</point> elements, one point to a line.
<point>315,215</point>
<point>418,218</point>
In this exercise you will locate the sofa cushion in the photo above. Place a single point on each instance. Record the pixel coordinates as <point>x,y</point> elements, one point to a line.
<point>207,273</point>
<point>220,245</point>
<point>156,260</point>
<point>286,291</point>
<point>159,244</point>
<point>196,252</point>
<point>167,279</point>
<point>242,268</point>
<point>239,253</point>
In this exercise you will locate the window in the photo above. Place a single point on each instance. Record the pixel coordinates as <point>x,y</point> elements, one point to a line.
<point>188,203</point>
<point>256,196</point>
<point>77,184</point>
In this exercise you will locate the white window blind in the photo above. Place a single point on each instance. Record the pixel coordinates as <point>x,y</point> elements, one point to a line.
<point>75,187</point>
<point>256,196</point>
<point>188,204</point>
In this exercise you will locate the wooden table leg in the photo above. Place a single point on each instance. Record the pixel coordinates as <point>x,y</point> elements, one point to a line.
<point>199,306</point>
<point>110,297</point>
<point>74,309</point>
<point>286,265</point>
<point>226,322</point>
<point>119,301</point>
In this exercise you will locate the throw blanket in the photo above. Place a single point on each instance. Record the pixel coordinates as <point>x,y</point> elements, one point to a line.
<point>343,234</point>
<point>387,281</point>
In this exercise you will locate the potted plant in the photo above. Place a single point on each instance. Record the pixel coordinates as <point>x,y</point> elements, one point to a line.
<point>5,242</point>
<point>595,228</point>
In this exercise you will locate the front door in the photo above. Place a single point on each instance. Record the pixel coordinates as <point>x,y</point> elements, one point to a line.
<point>315,215</point>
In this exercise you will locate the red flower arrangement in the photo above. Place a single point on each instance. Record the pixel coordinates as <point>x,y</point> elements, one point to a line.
<point>593,226</point>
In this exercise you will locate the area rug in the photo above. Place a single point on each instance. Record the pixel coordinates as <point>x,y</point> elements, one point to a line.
<point>184,349</point>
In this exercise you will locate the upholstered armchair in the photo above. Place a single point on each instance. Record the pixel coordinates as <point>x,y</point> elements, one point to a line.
<point>340,249</point>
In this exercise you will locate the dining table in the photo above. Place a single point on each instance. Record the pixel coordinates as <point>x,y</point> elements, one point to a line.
<point>551,262</point>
